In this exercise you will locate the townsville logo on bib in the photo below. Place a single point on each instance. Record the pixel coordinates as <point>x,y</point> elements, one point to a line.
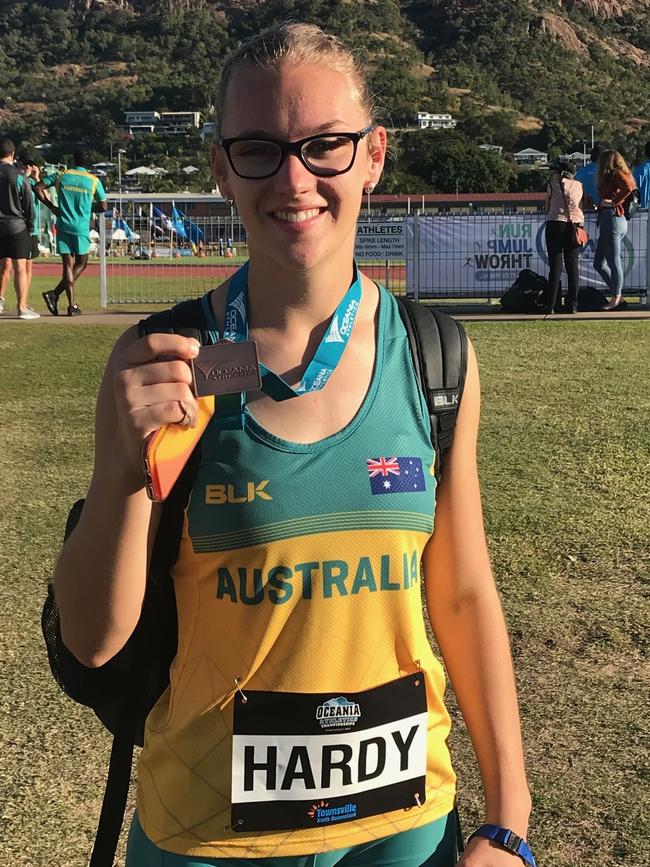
<point>301,760</point>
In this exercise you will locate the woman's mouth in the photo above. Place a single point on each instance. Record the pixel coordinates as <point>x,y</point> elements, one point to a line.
<point>295,216</point>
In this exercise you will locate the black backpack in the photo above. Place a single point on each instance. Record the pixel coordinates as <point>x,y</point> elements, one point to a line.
<point>124,690</point>
<point>526,295</point>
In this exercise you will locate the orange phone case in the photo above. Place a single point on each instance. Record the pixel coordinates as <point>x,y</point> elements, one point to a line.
<point>168,449</point>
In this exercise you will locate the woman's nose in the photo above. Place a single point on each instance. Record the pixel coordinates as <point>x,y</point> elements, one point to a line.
<point>294,176</point>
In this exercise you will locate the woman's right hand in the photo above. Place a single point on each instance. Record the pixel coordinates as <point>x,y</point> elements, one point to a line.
<point>151,388</point>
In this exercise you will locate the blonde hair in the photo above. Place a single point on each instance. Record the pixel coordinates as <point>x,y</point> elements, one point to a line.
<point>609,163</point>
<point>298,44</point>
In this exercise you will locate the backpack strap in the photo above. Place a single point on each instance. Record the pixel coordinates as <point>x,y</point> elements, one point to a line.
<point>439,348</point>
<point>186,318</point>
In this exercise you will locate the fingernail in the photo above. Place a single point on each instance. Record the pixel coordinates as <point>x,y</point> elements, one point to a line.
<point>194,349</point>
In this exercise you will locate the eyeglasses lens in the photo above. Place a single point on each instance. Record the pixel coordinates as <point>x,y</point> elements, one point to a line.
<point>326,155</point>
<point>329,155</point>
<point>255,159</point>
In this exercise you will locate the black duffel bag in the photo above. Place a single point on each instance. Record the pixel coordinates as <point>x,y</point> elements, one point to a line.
<point>526,295</point>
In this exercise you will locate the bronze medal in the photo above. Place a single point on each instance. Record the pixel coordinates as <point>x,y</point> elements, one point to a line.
<point>226,368</point>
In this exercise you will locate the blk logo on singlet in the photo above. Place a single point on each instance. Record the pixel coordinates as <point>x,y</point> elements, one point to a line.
<point>218,495</point>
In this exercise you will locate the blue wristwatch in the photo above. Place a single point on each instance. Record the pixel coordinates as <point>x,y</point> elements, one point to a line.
<point>508,839</point>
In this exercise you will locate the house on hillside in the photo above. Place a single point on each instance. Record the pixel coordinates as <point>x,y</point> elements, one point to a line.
<point>426,120</point>
<point>531,157</point>
<point>577,157</point>
<point>497,149</point>
<point>162,123</point>
<point>140,122</point>
<point>178,122</point>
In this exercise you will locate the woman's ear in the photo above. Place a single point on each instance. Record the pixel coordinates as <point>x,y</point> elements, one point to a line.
<point>219,170</point>
<point>377,144</point>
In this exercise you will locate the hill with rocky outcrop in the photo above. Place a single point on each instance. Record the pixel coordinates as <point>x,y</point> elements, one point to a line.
<point>513,72</point>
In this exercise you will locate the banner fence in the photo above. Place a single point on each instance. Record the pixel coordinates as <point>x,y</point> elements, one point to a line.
<point>147,257</point>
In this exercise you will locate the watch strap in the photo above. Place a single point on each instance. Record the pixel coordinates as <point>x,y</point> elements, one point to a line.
<point>508,839</point>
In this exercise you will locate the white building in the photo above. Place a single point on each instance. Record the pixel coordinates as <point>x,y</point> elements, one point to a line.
<point>164,123</point>
<point>426,120</point>
<point>531,157</point>
<point>577,157</point>
<point>141,117</point>
<point>178,122</point>
<point>490,147</point>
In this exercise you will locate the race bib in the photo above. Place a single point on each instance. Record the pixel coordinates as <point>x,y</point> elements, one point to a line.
<point>305,760</point>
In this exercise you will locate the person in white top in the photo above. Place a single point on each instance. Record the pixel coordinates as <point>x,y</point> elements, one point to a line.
<point>564,209</point>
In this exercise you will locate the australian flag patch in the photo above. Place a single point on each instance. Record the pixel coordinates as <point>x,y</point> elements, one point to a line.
<point>396,475</point>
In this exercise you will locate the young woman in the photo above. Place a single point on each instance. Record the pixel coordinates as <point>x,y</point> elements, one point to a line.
<point>615,182</point>
<point>297,587</point>
<point>563,209</point>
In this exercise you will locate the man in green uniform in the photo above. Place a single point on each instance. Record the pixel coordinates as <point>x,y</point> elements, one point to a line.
<point>80,194</point>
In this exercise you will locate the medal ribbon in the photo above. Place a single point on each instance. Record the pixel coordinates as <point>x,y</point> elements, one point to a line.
<point>327,355</point>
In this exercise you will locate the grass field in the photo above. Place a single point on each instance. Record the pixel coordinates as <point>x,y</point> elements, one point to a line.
<point>564,460</point>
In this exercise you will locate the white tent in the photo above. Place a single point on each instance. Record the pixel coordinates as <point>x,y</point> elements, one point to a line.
<point>120,235</point>
<point>189,170</point>
<point>158,170</point>
<point>141,170</point>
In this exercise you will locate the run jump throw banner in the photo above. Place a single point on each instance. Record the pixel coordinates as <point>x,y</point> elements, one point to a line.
<point>301,760</point>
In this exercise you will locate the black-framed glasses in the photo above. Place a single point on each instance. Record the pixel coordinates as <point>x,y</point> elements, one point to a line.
<point>324,155</point>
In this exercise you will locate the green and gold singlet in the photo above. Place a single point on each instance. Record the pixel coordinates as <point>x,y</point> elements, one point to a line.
<point>305,711</point>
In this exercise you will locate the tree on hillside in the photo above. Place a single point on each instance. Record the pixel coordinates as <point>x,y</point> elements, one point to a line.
<point>449,163</point>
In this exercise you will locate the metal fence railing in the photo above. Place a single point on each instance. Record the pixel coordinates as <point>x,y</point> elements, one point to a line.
<point>147,256</point>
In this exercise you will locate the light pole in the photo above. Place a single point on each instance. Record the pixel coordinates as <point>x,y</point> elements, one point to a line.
<point>120,151</point>
<point>119,169</point>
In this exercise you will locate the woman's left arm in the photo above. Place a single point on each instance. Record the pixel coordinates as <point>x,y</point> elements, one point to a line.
<point>623,186</point>
<point>469,626</point>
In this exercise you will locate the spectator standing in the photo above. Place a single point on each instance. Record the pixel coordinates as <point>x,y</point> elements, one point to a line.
<point>16,225</point>
<point>615,183</point>
<point>563,207</point>
<point>80,194</point>
<point>31,175</point>
<point>587,177</point>
<point>642,177</point>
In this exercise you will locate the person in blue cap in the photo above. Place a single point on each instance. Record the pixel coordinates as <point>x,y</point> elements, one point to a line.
<point>642,177</point>
<point>587,175</point>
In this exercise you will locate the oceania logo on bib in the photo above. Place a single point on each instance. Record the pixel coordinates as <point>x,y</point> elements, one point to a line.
<point>338,713</point>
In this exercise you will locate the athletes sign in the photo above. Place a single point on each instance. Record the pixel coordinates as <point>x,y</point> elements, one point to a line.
<point>381,240</point>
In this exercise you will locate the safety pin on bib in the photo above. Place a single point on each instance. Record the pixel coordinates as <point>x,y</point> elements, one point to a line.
<point>244,699</point>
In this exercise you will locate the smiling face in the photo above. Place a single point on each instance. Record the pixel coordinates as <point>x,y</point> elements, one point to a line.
<point>295,219</point>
